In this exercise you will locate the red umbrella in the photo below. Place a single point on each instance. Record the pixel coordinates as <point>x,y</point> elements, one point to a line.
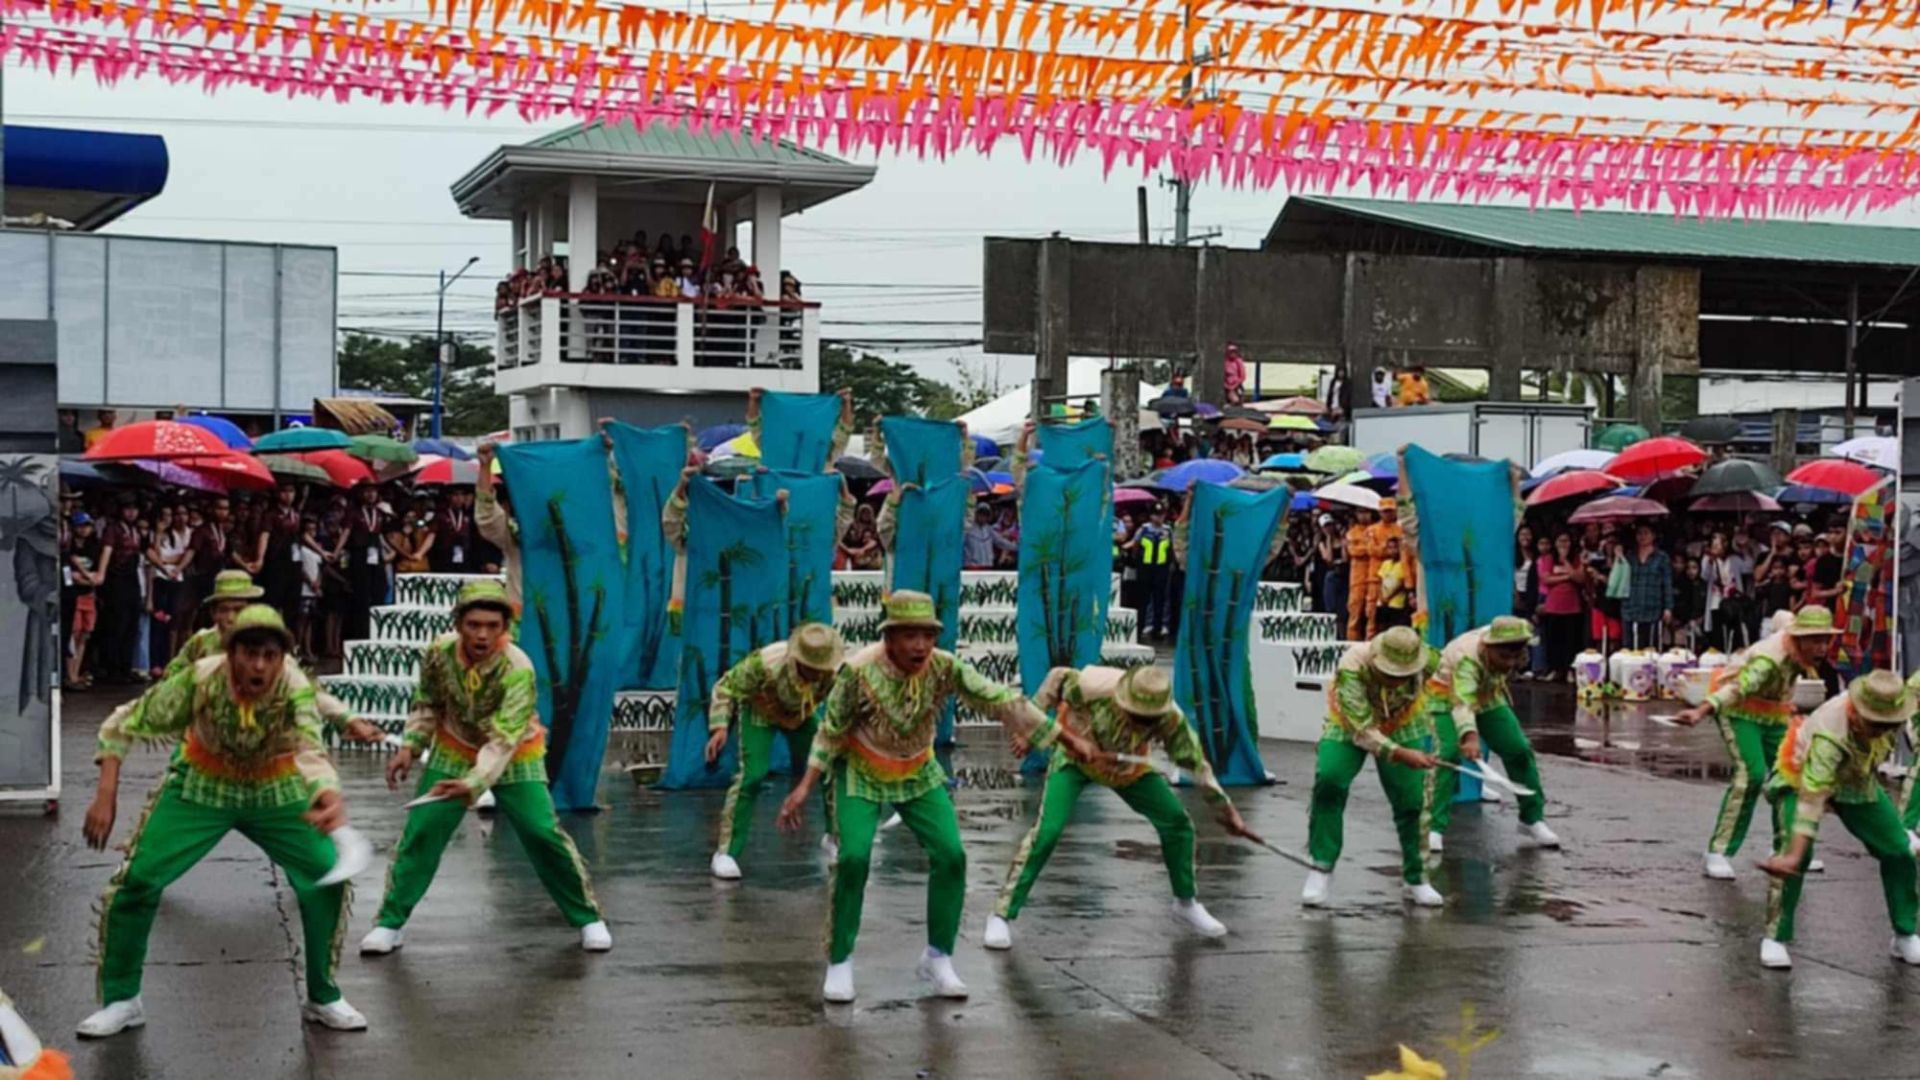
<point>1651,459</point>
<point>1833,474</point>
<point>1127,496</point>
<point>159,440</point>
<point>436,471</point>
<point>1736,502</point>
<point>233,470</point>
<point>1570,484</point>
<point>345,469</point>
<point>1617,508</point>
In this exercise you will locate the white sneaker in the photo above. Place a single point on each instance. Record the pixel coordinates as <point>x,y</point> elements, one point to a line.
<point>1540,834</point>
<point>1319,884</point>
<point>1816,867</point>
<point>1436,842</point>
<point>1195,914</point>
<point>891,821</point>
<point>1423,895</point>
<point>114,1019</point>
<point>1906,949</point>
<point>832,847</point>
<point>937,967</point>
<point>339,1016</point>
<point>724,867</point>
<point>380,941</point>
<point>839,986</point>
<point>595,937</point>
<point>1719,867</point>
<point>484,802</point>
<point>1773,954</point>
<point>999,935</point>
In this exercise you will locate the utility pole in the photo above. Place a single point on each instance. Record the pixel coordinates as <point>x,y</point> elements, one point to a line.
<point>1140,205</point>
<point>441,351</point>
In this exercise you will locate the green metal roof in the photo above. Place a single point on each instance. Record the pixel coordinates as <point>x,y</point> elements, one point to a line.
<point>1654,236</point>
<point>676,141</point>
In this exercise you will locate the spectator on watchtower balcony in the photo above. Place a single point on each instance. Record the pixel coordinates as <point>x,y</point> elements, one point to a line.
<point>665,286</point>
<point>640,243</point>
<point>723,287</point>
<point>689,280</point>
<point>732,263</point>
<point>688,250</point>
<point>750,286</point>
<point>789,287</point>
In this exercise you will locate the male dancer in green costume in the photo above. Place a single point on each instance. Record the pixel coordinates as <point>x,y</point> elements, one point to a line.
<point>1831,757</point>
<point>881,718</point>
<point>1124,712</point>
<point>774,693</point>
<point>1374,708</point>
<point>475,708</point>
<point>1752,705</point>
<point>251,759</point>
<point>1471,699</point>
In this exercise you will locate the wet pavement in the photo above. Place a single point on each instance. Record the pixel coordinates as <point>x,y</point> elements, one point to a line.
<point>1614,958</point>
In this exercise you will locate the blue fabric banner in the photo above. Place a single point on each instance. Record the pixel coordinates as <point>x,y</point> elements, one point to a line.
<point>795,431</point>
<point>1229,533</point>
<point>925,558</point>
<point>1066,568</point>
<point>735,595</point>
<point>574,584</point>
<point>650,461</point>
<point>1067,445</point>
<point>812,529</point>
<point>922,451</point>
<point>1462,522</point>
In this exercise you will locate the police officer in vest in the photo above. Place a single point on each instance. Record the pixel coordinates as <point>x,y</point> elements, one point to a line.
<point>1152,548</point>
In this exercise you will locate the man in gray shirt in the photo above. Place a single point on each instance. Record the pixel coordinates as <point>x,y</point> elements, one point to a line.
<point>981,541</point>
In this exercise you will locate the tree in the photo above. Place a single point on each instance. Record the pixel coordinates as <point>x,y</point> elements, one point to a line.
<point>406,367</point>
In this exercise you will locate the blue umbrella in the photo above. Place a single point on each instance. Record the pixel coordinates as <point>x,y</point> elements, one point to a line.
<point>228,431</point>
<point>1200,470</point>
<point>980,483</point>
<point>1285,462</point>
<point>1382,466</point>
<point>985,447</point>
<point>1302,500</point>
<point>718,434</point>
<point>1801,493</point>
<point>299,440</point>
<point>441,447</point>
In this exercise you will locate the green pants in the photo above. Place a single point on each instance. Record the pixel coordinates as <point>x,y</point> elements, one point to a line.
<point>1911,816</point>
<point>1443,784</point>
<point>1752,748</point>
<point>528,808</point>
<point>1500,732</point>
<point>933,823</point>
<point>1149,796</point>
<point>1877,826</point>
<point>1335,767</point>
<point>172,836</point>
<point>756,757</point>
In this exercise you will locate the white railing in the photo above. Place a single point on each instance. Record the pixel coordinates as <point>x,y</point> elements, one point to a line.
<point>556,331</point>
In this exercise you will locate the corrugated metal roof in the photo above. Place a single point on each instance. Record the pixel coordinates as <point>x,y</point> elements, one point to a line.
<point>1659,236</point>
<point>676,141</point>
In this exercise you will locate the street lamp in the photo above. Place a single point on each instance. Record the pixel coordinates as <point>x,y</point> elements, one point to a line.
<point>440,357</point>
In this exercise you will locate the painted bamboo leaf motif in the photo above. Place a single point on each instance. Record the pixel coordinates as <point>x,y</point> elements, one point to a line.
<point>568,681</point>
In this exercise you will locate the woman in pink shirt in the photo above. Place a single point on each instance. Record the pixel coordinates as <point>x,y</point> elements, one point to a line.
<point>1562,605</point>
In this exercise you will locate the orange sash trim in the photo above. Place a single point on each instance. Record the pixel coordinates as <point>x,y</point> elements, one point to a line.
<point>215,764</point>
<point>1783,760</point>
<point>1755,705</point>
<point>887,767</point>
<point>51,1065</point>
<point>1388,724</point>
<point>534,745</point>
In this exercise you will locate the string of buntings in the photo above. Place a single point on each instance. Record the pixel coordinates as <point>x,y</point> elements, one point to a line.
<point>1338,98</point>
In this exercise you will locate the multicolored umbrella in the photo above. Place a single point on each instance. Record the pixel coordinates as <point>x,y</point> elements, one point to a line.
<point>1571,485</point>
<point>719,433</point>
<point>1831,474</point>
<point>300,440</point>
<point>228,431</point>
<point>1737,474</point>
<point>157,440</point>
<point>1737,502</point>
<point>288,467</point>
<point>433,470</point>
<point>342,469</point>
<point>1650,459</point>
<point>1617,508</point>
<point>382,448</point>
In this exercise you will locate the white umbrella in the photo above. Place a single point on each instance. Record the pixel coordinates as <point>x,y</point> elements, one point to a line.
<point>1879,451</point>
<point>1348,495</point>
<point>1574,459</point>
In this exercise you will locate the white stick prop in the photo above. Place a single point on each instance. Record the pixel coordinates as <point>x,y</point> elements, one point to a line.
<point>353,853</point>
<point>1488,776</point>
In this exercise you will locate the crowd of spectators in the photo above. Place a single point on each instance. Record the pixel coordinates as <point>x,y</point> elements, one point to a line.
<point>666,270</point>
<point>136,564</point>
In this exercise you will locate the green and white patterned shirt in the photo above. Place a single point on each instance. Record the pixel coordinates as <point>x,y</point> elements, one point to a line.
<point>1464,685</point>
<point>763,691</point>
<point>1762,690</point>
<point>883,722</point>
<point>1365,710</point>
<point>480,717</point>
<point>201,645</point>
<point>1824,762</point>
<point>1083,701</point>
<point>234,755</point>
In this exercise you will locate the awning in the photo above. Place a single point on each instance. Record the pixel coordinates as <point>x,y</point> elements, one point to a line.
<point>86,178</point>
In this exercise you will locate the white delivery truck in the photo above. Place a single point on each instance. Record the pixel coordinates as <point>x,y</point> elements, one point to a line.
<point>1523,433</point>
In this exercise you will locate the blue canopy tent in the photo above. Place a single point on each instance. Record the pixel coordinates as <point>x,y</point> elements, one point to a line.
<point>88,178</point>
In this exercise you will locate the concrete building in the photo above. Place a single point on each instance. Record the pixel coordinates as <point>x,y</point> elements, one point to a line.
<point>567,358</point>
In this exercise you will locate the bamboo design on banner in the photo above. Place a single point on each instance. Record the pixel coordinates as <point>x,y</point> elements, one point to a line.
<point>566,682</point>
<point>1309,626</point>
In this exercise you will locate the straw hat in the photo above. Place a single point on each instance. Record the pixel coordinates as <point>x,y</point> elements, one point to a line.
<point>1880,698</point>
<point>233,585</point>
<point>1813,620</point>
<point>1509,630</point>
<point>816,646</point>
<point>258,618</point>
<point>909,610</point>
<point>1145,692</point>
<point>1399,652</point>
<point>484,593</point>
